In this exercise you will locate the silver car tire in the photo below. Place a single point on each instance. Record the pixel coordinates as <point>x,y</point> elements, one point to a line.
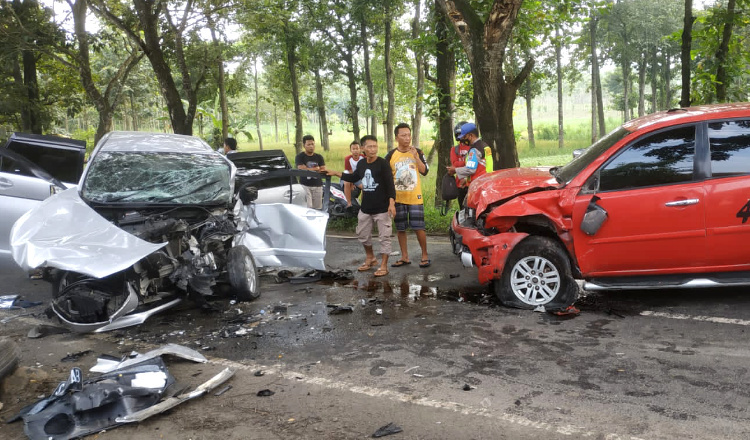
<point>243,273</point>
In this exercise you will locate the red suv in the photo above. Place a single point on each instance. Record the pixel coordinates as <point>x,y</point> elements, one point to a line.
<point>662,201</point>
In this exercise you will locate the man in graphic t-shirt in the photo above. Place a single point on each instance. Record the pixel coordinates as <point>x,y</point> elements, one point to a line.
<point>311,161</point>
<point>407,165</point>
<point>378,203</point>
<point>350,164</point>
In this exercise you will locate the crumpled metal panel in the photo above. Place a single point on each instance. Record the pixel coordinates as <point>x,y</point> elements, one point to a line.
<point>502,185</point>
<point>64,232</point>
<point>283,235</point>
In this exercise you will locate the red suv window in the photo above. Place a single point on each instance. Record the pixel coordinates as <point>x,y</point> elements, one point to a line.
<point>730,147</point>
<point>662,158</point>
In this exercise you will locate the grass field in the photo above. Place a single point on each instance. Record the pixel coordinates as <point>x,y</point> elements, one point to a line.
<point>546,153</point>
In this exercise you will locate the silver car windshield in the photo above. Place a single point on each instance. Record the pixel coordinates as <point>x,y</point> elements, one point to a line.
<point>140,177</point>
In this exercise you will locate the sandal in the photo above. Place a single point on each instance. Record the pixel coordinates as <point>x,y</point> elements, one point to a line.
<point>400,263</point>
<point>425,263</point>
<point>367,265</point>
<point>381,272</point>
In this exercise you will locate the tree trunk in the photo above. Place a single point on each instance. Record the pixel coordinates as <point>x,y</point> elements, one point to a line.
<point>352,80</point>
<point>529,119</point>
<point>276,123</point>
<point>722,53</point>
<point>687,40</point>
<point>642,85</point>
<point>390,82</point>
<point>445,60</point>
<point>558,72</point>
<point>654,77</point>
<point>596,78</point>
<point>291,58</point>
<point>133,111</point>
<point>626,88</point>
<point>286,119</point>
<point>222,87</point>
<point>257,106</point>
<point>668,81</point>
<point>368,79</point>
<point>494,92</point>
<point>321,111</point>
<point>417,122</point>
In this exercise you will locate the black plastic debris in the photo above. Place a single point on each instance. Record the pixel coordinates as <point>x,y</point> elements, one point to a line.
<point>259,373</point>
<point>283,276</point>
<point>309,276</point>
<point>223,390</point>
<point>337,309</point>
<point>265,393</point>
<point>15,302</point>
<point>454,275</point>
<point>467,387</point>
<point>73,357</point>
<point>40,331</point>
<point>387,430</point>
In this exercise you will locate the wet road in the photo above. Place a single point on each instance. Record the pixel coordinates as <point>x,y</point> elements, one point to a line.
<point>648,364</point>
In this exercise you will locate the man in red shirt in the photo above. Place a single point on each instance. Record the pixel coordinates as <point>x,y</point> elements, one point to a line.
<point>350,164</point>
<point>458,159</point>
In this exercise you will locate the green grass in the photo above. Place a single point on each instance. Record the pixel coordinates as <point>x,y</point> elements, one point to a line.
<point>546,153</point>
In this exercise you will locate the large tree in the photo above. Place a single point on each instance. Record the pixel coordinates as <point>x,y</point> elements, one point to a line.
<point>107,100</point>
<point>160,29</point>
<point>484,35</point>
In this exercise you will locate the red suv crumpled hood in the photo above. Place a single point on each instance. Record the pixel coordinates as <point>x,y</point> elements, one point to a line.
<point>505,184</point>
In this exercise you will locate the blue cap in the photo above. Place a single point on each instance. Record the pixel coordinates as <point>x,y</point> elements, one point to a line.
<point>466,129</point>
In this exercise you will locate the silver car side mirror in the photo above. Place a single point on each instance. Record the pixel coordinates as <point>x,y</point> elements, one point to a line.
<point>594,218</point>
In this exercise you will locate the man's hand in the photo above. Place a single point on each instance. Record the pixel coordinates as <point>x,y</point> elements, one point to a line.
<point>414,152</point>
<point>392,208</point>
<point>451,170</point>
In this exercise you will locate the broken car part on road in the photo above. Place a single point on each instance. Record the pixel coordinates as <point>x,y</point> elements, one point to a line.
<point>130,392</point>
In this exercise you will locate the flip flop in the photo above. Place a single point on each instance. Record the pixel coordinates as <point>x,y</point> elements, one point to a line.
<point>381,272</point>
<point>425,263</point>
<point>400,263</point>
<point>367,265</point>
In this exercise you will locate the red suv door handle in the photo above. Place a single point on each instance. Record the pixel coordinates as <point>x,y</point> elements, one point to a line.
<point>685,202</point>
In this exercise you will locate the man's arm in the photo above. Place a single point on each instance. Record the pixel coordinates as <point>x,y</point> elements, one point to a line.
<point>420,160</point>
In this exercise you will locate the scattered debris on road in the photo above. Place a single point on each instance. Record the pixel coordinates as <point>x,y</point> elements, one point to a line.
<point>128,391</point>
<point>265,393</point>
<point>387,430</point>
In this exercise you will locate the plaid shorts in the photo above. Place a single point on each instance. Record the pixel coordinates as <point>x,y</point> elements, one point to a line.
<point>409,215</point>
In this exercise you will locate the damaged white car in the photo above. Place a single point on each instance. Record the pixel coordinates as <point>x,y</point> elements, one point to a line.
<point>157,218</point>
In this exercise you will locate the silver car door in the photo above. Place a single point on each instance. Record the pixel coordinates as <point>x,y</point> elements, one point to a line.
<point>282,234</point>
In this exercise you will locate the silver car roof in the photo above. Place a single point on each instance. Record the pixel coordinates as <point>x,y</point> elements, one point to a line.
<point>134,141</point>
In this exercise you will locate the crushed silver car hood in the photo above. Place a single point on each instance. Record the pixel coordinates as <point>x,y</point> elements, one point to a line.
<point>65,233</point>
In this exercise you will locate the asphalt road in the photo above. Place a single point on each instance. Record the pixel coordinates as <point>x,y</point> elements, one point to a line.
<point>632,365</point>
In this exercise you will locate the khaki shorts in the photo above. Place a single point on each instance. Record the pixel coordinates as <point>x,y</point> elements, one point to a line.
<point>385,228</point>
<point>314,196</point>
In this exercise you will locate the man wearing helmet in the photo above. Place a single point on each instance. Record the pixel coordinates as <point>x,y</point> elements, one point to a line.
<point>472,164</point>
<point>458,159</point>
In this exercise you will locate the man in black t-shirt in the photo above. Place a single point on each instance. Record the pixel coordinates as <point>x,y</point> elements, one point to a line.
<point>311,161</point>
<point>378,203</point>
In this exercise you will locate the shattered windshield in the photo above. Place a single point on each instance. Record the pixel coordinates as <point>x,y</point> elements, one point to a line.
<point>143,177</point>
<point>568,172</point>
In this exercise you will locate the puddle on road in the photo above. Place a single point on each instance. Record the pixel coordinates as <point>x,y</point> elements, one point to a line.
<point>410,291</point>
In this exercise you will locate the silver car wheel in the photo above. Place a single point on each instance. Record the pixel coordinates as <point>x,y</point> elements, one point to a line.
<point>535,280</point>
<point>251,273</point>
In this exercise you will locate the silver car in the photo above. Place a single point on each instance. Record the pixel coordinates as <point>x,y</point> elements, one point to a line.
<point>253,164</point>
<point>157,218</point>
<point>28,165</point>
